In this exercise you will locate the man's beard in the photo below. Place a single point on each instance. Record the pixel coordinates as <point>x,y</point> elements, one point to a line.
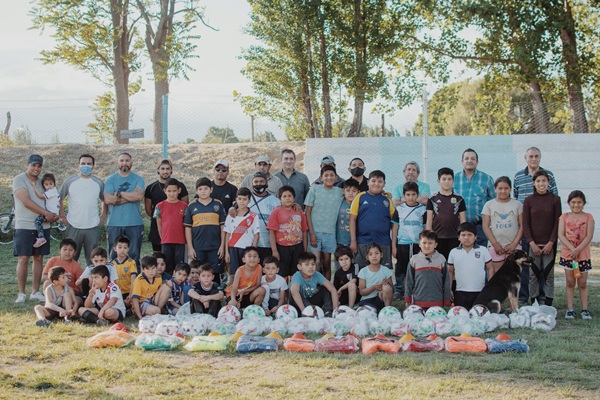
<point>124,168</point>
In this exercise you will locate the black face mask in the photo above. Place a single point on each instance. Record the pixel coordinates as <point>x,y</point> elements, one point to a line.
<point>358,171</point>
<point>259,189</point>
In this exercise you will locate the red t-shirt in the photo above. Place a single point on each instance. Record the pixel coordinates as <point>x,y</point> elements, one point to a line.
<point>288,226</point>
<point>73,269</point>
<point>171,218</point>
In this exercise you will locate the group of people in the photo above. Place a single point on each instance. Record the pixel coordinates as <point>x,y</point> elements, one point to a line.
<point>271,241</point>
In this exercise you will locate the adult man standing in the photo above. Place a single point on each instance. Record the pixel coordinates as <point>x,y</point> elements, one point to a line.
<point>83,220</point>
<point>263,164</point>
<point>329,160</point>
<point>262,203</point>
<point>27,208</point>
<point>123,192</point>
<point>411,174</point>
<point>357,170</point>
<point>477,188</point>
<point>523,187</point>
<point>154,194</point>
<point>223,190</point>
<point>289,176</point>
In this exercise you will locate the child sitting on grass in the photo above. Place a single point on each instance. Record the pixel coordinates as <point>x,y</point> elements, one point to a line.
<point>177,287</point>
<point>309,287</point>
<point>375,283</point>
<point>345,279</point>
<point>99,256</point>
<point>147,295</point>
<point>104,303</point>
<point>246,288</point>
<point>275,286</point>
<point>205,297</point>
<point>60,302</point>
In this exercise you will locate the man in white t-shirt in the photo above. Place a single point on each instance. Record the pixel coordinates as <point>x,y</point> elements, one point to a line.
<point>87,211</point>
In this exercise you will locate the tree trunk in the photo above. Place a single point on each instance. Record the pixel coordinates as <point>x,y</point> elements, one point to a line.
<point>573,71</point>
<point>360,52</point>
<point>311,84</point>
<point>121,67</point>
<point>540,111</point>
<point>161,88</point>
<point>306,103</point>
<point>326,91</point>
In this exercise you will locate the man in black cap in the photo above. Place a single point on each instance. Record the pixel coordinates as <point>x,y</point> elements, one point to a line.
<point>154,194</point>
<point>263,164</point>
<point>27,208</point>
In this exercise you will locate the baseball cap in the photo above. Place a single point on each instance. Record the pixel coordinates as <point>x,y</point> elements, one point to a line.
<point>165,161</point>
<point>264,159</point>
<point>222,162</point>
<point>35,159</point>
<point>327,159</point>
<point>259,174</point>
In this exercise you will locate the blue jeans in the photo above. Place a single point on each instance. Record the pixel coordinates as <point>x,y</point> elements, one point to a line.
<point>482,240</point>
<point>135,234</point>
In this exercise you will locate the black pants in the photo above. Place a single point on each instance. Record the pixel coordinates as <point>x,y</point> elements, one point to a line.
<point>288,259</point>
<point>322,299</point>
<point>403,254</point>
<point>465,299</point>
<point>214,306</point>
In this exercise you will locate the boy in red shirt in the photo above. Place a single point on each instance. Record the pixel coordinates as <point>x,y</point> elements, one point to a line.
<point>287,232</point>
<point>169,221</point>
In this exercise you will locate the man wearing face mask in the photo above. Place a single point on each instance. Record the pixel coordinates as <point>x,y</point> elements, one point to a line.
<point>83,219</point>
<point>357,170</point>
<point>262,203</point>
<point>154,194</point>
<point>263,164</point>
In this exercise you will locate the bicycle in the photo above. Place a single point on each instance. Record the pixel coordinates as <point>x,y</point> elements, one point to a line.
<point>7,228</point>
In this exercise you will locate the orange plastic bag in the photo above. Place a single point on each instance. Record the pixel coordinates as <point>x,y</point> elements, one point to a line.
<point>331,344</point>
<point>112,338</point>
<point>431,343</point>
<point>299,343</point>
<point>462,344</point>
<point>380,343</point>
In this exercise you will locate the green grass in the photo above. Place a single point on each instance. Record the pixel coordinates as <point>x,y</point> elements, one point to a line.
<point>55,362</point>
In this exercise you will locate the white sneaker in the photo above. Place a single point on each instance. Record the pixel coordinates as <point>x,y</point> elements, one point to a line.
<point>21,298</point>
<point>37,296</point>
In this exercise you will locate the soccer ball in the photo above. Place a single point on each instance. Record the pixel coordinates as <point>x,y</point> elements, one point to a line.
<point>366,312</point>
<point>413,309</point>
<point>478,310</point>
<point>254,311</point>
<point>435,312</point>
<point>286,311</point>
<point>313,312</point>
<point>458,311</point>
<point>389,312</point>
<point>230,313</point>
<point>344,312</point>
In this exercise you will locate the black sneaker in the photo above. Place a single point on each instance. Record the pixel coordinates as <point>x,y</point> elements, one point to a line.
<point>327,314</point>
<point>585,314</point>
<point>570,314</point>
<point>42,323</point>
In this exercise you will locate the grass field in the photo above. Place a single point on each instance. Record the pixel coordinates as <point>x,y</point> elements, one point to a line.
<point>56,363</point>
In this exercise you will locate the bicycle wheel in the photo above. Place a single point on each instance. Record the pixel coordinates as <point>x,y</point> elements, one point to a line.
<point>58,232</point>
<point>7,228</point>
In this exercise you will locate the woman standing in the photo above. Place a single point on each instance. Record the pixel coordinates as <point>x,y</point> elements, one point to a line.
<point>502,222</point>
<point>541,212</point>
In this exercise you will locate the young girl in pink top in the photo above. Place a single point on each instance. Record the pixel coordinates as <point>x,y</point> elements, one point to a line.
<point>575,232</point>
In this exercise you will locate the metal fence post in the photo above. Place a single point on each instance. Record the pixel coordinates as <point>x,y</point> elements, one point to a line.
<point>425,134</point>
<point>165,109</point>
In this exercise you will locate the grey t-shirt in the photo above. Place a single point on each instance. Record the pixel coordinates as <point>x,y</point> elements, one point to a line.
<point>24,217</point>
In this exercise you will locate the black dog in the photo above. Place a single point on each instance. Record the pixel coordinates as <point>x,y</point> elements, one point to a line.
<point>505,283</point>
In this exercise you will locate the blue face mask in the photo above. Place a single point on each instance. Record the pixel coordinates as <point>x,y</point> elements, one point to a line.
<point>85,170</point>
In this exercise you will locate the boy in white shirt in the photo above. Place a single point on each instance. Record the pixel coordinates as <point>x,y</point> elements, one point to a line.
<point>275,286</point>
<point>469,264</point>
<point>242,231</point>
<point>104,304</point>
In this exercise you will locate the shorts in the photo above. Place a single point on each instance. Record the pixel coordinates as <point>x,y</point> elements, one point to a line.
<point>53,314</point>
<point>119,318</point>
<point>145,304</point>
<point>584,265</point>
<point>373,302</point>
<point>24,240</point>
<point>500,257</point>
<point>245,302</point>
<point>235,259</point>
<point>326,243</point>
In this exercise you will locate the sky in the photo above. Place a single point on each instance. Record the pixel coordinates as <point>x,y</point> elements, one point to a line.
<point>54,101</point>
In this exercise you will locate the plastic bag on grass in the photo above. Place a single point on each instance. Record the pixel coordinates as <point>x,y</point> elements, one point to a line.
<point>256,344</point>
<point>505,346</point>
<point>111,338</point>
<point>152,341</point>
<point>543,322</point>
<point>208,343</point>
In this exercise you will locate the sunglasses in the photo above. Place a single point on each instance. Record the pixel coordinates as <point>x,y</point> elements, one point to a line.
<point>221,169</point>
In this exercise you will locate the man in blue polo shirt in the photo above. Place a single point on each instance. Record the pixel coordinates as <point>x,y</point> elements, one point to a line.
<point>477,188</point>
<point>289,176</point>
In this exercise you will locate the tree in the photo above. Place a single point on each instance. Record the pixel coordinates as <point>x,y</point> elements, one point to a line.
<point>216,135</point>
<point>266,136</point>
<point>96,37</point>
<point>169,42</point>
<point>22,136</point>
